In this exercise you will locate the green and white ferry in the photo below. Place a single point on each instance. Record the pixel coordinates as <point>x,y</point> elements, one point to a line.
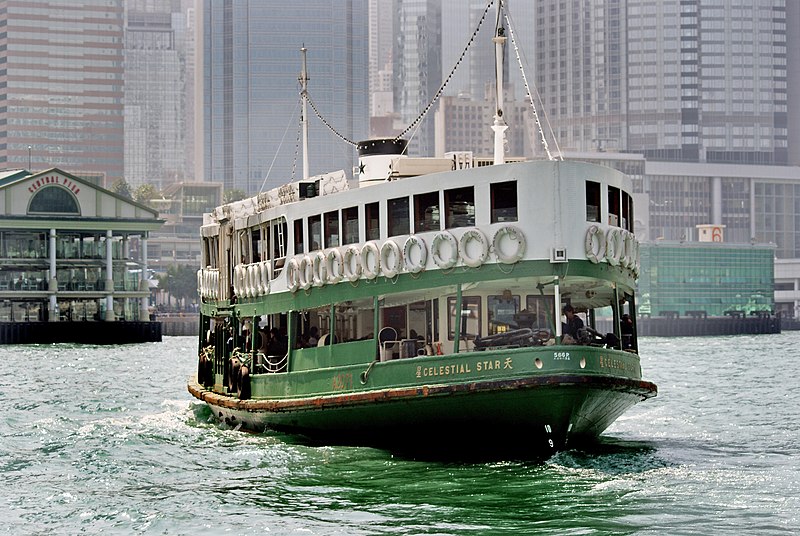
<point>419,304</point>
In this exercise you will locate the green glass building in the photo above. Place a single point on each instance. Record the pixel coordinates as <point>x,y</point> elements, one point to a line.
<point>706,279</point>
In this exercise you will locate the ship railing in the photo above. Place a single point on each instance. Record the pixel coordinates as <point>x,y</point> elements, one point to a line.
<point>270,364</point>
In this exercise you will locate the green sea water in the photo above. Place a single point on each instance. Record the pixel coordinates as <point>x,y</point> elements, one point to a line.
<point>97,440</point>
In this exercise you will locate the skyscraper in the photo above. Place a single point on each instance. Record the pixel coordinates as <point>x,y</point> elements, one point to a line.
<point>250,60</point>
<point>155,92</point>
<point>417,67</point>
<point>675,80</point>
<point>61,66</point>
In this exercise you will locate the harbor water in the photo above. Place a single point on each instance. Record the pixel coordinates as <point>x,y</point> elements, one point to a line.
<point>106,440</point>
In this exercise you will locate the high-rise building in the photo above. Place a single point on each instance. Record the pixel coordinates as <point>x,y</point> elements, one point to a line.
<point>61,96</point>
<point>155,92</point>
<point>675,80</point>
<point>250,60</point>
<point>417,67</point>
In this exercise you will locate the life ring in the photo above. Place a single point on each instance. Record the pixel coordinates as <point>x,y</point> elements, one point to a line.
<point>200,282</point>
<point>614,245</point>
<point>370,271</point>
<point>213,290</point>
<point>391,259</point>
<point>412,243</point>
<point>515,235</point>
<point>319,269</point>
<point>483,244</point>
<point>265,276</point>
<point>236,280</point>
<point>594,255</point>
<point>255,280</point>
<point>444,262</point>
<point>292,275</point>
<point>351,263</point>
<point>305,274</point>
<point>628,258</point>
<point>334,266</point>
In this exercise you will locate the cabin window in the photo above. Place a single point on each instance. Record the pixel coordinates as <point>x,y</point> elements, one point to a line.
<point>372,215</point>
<point>395,317</point>
<point>255,239</point>
<point>459,206</point>
<point>426,212</point>
<point>398,216</point>
<point>314,232</point>
<point>502,310</point>
<point>538,313</point>
<point>592,201</point>
<point>613,206</point>
<point>504,201</point>
<point>350,225</point>
<point>470,316</point>
<point>332,229</point>
<point>299,246</point>
<point>627,211</point>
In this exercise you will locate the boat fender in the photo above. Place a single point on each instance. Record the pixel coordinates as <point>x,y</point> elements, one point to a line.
<point>371,269</point>
<point>351,260</point>
<point>265,277</point>
<point>334,266</point>
<point>415,262</point>
<point>515,235</point>
<point>594,235</point>
<point>614,246</point>
<point>475,235</point>
<point>292,275</point>
<point>233,379</point>
<point>391,259</point>
<point>444,261</point>
<point>319,269</point>
<point>305,273</point>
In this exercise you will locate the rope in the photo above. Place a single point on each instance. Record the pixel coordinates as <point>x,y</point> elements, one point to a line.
<point>449,76</point>
<point>528,91</point>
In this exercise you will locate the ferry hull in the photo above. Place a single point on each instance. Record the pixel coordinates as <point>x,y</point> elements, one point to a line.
<point>531,416</point>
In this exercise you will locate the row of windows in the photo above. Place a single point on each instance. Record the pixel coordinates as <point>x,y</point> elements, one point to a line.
<point>620,206</point>
<point>341,227</point>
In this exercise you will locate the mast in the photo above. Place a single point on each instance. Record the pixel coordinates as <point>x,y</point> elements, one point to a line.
<point>304,115</point>
<point>499,127</point>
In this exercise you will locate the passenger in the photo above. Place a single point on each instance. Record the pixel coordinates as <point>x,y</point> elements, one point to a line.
<point>626,329</point>
<point>572,325</point>
<point>313,336</point>
<point>274,346</point>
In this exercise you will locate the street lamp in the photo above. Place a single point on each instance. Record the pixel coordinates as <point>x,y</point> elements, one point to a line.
<point>29,158</point>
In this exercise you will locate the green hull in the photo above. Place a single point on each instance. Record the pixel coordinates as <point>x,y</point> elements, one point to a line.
<point>480,401</point>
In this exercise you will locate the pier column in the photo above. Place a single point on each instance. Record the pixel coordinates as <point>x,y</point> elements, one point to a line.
<point>144,286</point>
<point>109,278</point>
<point>52,285</point>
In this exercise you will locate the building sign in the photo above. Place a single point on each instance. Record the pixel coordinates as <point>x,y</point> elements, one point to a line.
<point>54,179</point>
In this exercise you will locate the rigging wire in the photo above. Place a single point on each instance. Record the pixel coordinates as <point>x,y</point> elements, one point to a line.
<point>325,122</point>
<point>291,119</point>
<point>449,76</point>
<point>542,136</point>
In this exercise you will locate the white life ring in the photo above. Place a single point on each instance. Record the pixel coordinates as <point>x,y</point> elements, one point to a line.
<point>442,261</point>
<point>614,246</point>
<point>305,273</point>
<point>391,259</point>
<point>628,258</point>
<point>236,280</point>
<point>515,235</point>
<point>370,271</point>
<point>411,244</point>
<point>254,283</point>
<point>200,282</point>
<point>215,292</point>
<point>265,276</point>
<point>594,255</point>
<point>319,269</point>
<point>478,236</point>
<point>334,266</point>
<point>351,261</point>
<point>212,291</point>
<point>292,275</point>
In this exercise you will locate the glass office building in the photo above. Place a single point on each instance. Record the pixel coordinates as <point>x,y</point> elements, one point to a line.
<point>61,96</point>
<point>250,60</point>
<point>686,279</point>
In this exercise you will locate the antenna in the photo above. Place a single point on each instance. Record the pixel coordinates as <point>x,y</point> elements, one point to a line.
<point>303,113</point>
